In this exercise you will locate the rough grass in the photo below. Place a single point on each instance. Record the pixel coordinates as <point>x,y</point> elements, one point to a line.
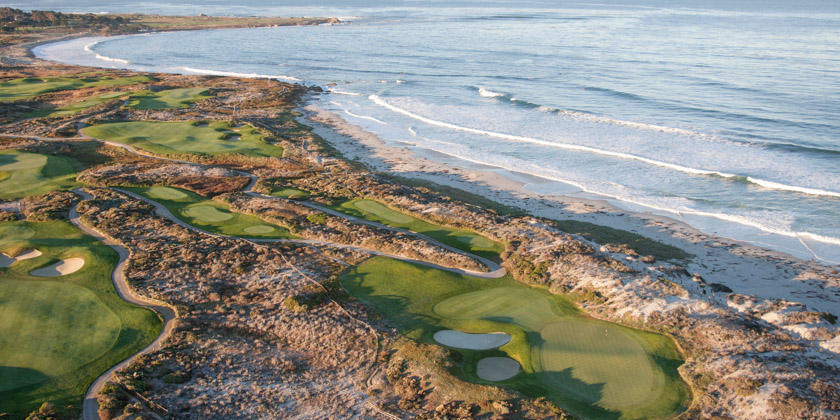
<point>77,107</point>
<point>172,98</point>
<point>58,334</point>
<point>177,138</point>
<point>591,368</point>
<point>33,174</point>
<point>210,215</point>
<point>605,235</point>
<point>462,239</point>
<point>290,193</point>
<point>17,89</point>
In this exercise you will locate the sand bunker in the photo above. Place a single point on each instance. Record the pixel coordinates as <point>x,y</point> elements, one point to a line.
<point>497,368</point>
<point>469,341</point>
<point>258,229</point>
<point>61,268</point>
<point>235,137</point>
<point>6,260</point>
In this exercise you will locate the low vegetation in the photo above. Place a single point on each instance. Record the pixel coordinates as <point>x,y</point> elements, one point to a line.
<point>170,98</point>
<point>24,174</point>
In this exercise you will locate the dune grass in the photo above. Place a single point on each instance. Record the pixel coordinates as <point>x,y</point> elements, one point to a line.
<point>462,239</point>
<point>290,193</point>
<point>172,98</point>
<point>17,89</point>
<point>32,174</point>
<point>210,215</point>
<point>59,333</point>
<point>591,368</point>
<point>178,138</point>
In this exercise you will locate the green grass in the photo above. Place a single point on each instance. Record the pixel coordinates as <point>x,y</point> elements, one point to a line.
<point>592,368</point>
<point>33,174</point>
<point>13,90</point>
<point>177,138</point>
<point>641,244</point>
<point>58,334</point>
<point>172,98</point>
<point>77,107</point>
<point>462,239</point>
<point>211,215</point>
<point>290,193</point>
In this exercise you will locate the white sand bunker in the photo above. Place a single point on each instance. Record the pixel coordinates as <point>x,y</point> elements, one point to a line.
<point>61,268</point>
<point>6,260</point>
<point>497,368</point>
<point>469,341</point>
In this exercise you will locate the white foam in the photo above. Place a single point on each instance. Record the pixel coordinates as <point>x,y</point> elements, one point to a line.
<point>365,117</point>
<point>620,155</point>
<point>89,48</point>
<point>244,75</point>
<point>489,93</point>
<point>341,92</point>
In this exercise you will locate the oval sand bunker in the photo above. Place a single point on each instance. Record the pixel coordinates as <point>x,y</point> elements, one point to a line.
<point>497,368</point>
<point>61,268</point>
<point>6,260</point>
<point>469,341</point>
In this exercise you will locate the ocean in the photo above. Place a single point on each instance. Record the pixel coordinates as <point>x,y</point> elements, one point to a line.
<point>726,117</point>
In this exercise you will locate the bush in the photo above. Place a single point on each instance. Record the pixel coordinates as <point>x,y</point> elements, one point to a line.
<point>317,218</point>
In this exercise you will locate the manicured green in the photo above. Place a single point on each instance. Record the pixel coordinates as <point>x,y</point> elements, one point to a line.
<point>57,334</point>
<point>290,193</point>
<point>177,138</point>
<point>210,215</point>
<point>77,107</point>
<point>592,368</point>
<point>33,174</point>
<point>462,239</point>
<point>172,98</point>
<point>17,89</point>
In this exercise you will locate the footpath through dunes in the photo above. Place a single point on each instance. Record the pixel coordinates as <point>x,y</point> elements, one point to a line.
<point>591,368</point>
<point>25,174</point>
<point>62,331</point>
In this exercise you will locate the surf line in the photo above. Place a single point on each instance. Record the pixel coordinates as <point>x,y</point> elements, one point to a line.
<point>766,184</point>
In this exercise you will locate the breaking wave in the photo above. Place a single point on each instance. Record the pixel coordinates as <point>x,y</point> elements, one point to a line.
<point>244,75</point>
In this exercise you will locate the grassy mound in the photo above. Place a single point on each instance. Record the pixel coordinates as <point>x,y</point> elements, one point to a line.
<point>290,193</point>
<point>77,107</point>
<point>17,89</point>
<point>59,334</point>
<point>32,174</point>
<point>462,239</point>
<point>176,138</point>
<point>210,215</point>
<point>592,368</point>
<point>172,98</point>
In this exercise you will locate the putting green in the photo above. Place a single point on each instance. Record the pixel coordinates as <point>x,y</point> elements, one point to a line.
<point>57,334</point>
<point>172,98</point>
<point>167,193</point>
<point>258,229</point>
<point>33,174</point>
<point>462,239</point>
<point>208,214</point>
<point>591,368</point>
<point>177,138</point>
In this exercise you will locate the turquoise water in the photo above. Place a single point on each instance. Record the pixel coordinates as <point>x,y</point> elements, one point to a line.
<point>726,117</point>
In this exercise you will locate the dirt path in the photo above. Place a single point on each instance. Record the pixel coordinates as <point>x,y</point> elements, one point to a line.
<point>90,406</point>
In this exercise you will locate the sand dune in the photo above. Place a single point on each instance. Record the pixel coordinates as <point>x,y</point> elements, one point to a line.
<point>61,268</point>
<point>6,260</point>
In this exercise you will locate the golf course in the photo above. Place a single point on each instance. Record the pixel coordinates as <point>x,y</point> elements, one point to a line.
<point>24,174</point>
<point>592,368</point>
<point>210,215</point>
<point>463,239</point>
<point>63,322</point>
<point>17,89</point>
<point>171,98</point>
<point>179,138</point>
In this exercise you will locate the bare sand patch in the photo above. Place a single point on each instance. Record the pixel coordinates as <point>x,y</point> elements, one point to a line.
<point>6,260</point>
<point>470,341</point>
<point>61,268</point>
<point>497,368</point>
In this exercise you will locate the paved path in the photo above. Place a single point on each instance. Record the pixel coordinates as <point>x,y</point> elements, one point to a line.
<point>90,406</point>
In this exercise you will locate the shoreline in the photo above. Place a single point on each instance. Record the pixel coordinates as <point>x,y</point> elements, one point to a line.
<point>722,260</point>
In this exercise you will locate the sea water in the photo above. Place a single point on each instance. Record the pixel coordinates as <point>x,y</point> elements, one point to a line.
<point>726,117</point>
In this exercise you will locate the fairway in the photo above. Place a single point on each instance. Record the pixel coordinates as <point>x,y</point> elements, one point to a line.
<point>591,368</point>
<point>33,174</point>
<point>77,107</point>
<point>17,89</point>
<point>59,333</point>
<point>172,98</point>
<point>211,215</point>
<point>178,138</point>
<point>463,239</point>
